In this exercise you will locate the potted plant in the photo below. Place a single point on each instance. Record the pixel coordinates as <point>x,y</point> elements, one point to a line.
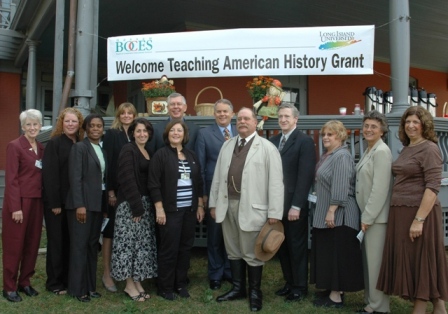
<point>156,93</point>
<point>258,86</point>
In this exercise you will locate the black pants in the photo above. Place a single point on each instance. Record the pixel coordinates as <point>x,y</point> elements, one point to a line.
<point>58,249</point>
<point>83,252</point>
<point>176,241</point>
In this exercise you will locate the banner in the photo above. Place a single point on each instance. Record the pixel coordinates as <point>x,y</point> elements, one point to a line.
<point>337,50</point>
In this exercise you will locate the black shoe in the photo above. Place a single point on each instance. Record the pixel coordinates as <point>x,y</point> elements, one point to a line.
<point>322,293</point>
<point>29,291</point>
<point>215,284</point>
<point>94,295</point>
<point>12,296</point>
<point>183,293</point>
<point>167,295</point>
<point>327,302</point>
<point>84,298</point>
<point>363,311</point>
<point>283,291</point>
<point>295,296</point>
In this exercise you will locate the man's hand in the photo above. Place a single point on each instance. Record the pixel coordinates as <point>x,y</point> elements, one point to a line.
<point>293,214</point>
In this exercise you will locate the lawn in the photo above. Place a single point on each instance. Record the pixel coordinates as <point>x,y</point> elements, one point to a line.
<point>202,298</point>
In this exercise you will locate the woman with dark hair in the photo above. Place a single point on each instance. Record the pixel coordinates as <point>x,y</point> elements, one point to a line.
<point>114,139</point>
<point>373,190</point>
<point>134,251</point>
<point>176,188</point>
<point>336,260</point>
<point>56,184</point>
<point>414,264</point>
<point>87,177</point>
<point>22,208</point>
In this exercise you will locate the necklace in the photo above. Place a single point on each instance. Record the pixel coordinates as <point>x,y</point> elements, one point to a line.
<point>419,142</point>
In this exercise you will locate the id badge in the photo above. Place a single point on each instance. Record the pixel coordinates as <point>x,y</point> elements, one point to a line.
<point>185,176</point>
<point>312,198</point>
<point>38,164</point>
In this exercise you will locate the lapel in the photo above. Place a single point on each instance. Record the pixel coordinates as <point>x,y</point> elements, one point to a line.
<point>234,131</point>
<point>217,133</point>
<point>26,146</point>
<point>254,148</point>
<point>291,140</point>
<point>367,156</point>
<point>91,151</point>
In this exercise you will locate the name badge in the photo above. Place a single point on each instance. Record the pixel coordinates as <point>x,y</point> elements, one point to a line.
<point>38,164</point>
<point>185,176</point>
<point>312,198</point>
<point>103,186</point>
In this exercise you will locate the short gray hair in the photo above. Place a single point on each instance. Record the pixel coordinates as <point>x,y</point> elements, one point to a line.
<point>223,101</point>
<point>31,114</point>
<point>380,117</point>
<point>287,105</point>
<point>174,95</point>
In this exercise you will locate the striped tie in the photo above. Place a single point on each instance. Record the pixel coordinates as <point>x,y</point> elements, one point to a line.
<point>226,134</point>
<point>282,143</point>
<point>243,141</point>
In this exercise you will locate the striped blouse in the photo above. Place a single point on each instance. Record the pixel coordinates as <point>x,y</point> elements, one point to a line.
<point>335,185</point>
<point>184,185</point>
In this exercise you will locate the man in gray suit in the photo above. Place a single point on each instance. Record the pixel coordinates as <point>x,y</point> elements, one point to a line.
<point>208,145</point>
<point>247,191</point>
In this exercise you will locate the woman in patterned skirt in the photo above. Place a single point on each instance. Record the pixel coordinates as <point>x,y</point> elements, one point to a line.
<point>134,253</point>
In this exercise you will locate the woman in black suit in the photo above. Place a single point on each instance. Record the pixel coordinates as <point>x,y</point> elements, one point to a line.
<point>56,185</point>
<point>87,173</point>
<point>114,139</point>
<point>176,188</point>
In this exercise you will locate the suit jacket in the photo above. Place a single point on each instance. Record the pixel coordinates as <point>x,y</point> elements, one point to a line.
<point>113,141</point>
<point>261,184</point>
<point>208,144</point>
<point>55,171</point>
<point>22,177</point>
<point>85,177</point>
<point>157,141</point>
<point>374,184</point>
<point>299,163</point>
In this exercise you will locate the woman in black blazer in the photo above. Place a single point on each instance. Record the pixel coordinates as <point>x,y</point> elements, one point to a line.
<point>56,185</point>
<point>87,174</point>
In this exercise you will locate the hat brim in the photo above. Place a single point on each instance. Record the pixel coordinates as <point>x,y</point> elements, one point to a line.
<point>259,253</point>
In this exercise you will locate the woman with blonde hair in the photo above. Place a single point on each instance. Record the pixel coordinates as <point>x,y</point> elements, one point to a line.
<point>56,185</point>
<point>114,139</point>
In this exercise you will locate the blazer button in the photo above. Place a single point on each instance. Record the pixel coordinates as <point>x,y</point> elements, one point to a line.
<point>225,196</point>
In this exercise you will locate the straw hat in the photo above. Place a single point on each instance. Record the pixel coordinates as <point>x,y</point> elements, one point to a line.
<point>269,240</point>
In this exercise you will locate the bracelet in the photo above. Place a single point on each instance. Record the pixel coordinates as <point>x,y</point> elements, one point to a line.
<point>111,196</point>
<point>419,219</point>
<point>201,206</point>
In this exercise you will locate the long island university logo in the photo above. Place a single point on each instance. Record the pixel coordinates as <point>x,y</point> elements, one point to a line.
<point>337,39</point>
<point>133,45</point>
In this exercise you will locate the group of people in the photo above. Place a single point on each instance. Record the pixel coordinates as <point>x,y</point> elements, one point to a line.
<point>153,184</point>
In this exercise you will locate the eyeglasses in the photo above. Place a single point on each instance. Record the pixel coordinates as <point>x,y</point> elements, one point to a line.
<point>371,126</point>
<point>327,134</point>
<point>176,104</point>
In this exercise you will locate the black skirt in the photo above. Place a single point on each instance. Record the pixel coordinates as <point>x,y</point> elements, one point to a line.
<point>336,260</point>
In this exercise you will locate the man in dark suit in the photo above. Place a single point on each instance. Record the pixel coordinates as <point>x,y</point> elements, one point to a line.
<point>299,160</point>
<point>208,145</point>
<point>177,105</point>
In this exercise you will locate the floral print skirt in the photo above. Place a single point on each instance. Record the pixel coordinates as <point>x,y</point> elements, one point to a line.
<point>134,250</point>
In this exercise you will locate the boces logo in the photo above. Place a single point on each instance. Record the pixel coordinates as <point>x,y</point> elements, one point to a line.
<point>336,40</point>
<point>133,45</point>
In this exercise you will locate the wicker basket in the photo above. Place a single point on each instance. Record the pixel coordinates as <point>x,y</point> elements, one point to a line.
<point>205,109</point>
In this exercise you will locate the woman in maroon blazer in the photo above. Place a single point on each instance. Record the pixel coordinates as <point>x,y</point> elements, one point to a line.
<point>22,208</point>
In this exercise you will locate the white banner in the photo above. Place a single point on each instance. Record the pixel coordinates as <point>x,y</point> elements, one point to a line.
<point>334,50</point>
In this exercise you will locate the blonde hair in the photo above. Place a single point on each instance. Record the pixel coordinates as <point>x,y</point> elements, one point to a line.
<point>337,127</point>
<point>116,124</point>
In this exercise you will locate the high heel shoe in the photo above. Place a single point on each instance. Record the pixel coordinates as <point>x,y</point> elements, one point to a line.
<point>112,288</point>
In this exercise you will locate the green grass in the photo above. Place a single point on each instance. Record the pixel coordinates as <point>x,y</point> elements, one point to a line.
<point>202,298</point>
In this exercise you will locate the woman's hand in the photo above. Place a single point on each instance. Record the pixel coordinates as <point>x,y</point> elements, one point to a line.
<point>112,198</point>
<point>364,227</point>
<point>17,216</point>
<point>329,219</point>
<point>81,214</point>
<point>160,216</point>
<point>137,219</point>
<point>416,230</point>
<point>200,214</point>
<point>56,211</point>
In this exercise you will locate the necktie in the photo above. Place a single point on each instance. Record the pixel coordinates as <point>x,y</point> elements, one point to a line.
<point>226,134</point>
<point>282,143</point>
<point>242,142</point>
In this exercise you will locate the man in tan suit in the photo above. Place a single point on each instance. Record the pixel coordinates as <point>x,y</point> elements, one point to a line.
<point>247,190</point>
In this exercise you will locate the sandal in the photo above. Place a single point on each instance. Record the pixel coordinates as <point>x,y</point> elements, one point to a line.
<point>59,291</point>
<point>145,295</point>
<point>137,298</point>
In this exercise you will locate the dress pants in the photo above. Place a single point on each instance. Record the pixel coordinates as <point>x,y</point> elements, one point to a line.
<point>218,262</point>
<point>293,253</point>
<point>58,249</point>
<point>83,252</point>
<point>21,244</point>
<point>176,241</point>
